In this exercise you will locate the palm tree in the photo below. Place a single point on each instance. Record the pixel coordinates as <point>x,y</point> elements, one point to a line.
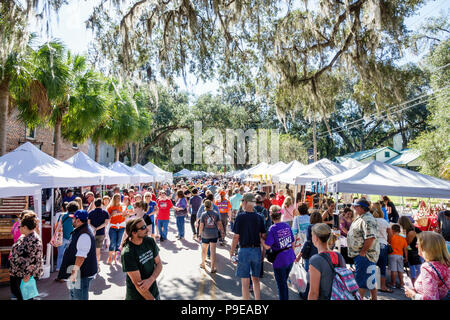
<point>75,91</point>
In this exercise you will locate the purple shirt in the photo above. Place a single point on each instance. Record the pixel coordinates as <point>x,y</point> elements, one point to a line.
<point>280,236</point>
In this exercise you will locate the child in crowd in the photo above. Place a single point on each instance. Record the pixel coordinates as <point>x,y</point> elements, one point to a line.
<point>395,259</point>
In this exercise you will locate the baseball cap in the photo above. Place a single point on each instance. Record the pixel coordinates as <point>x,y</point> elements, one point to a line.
<point>249,197</point>
<point>80,214</point>
<point>362,203</point>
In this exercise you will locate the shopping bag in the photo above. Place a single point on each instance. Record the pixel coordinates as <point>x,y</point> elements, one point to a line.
<point>29,289</point>
<point>57,239</point>
<point>299,242</point>
<point>298,277</point>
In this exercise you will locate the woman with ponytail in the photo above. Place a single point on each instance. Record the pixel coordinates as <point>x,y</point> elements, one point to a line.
<point>320,273</point>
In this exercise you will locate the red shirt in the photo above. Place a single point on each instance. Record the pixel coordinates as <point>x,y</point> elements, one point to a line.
<point>280,200</point>
<point>164,209</point>
<point>267,204</point>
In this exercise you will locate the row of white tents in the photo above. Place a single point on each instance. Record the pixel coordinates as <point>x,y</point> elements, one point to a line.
<point>185,173</point>
<point>351,176</point>
<point>27,170</point>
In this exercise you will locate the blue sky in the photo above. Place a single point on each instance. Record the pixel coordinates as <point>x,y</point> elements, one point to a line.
<point>72,31</point>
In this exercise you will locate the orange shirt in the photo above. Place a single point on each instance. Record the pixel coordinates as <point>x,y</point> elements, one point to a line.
<point>117,220</point>
<point>397,244</point>
<point>224,206</point>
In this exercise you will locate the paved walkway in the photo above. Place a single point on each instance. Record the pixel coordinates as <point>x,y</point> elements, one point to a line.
<point>180,279</point>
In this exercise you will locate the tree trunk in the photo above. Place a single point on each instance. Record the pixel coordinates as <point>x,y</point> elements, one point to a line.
<point>116,154</point>
<point>137,152</point>
<point>97,150</point>
<point>57,138</point>
<point>4,102</point>
<point>314,141</point>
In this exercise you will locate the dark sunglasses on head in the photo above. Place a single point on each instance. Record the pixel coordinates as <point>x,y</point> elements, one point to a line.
<point>141,228</point>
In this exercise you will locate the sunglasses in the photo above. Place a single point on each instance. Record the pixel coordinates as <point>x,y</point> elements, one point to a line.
<point>144,226</point>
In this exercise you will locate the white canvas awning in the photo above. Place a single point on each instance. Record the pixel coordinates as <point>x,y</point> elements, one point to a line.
<point>122,168</point>
<point>29,164</point>
<point>351,163</point>
<point>84,162</point>
<point>318,171</point>
<point>168,176</point>
<point>287,175</point>
<point>10,187</point>
<point>383,179</point>
<point>140,168</point>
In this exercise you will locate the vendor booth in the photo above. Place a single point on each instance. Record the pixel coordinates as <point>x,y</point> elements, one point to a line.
<point>9,190</point>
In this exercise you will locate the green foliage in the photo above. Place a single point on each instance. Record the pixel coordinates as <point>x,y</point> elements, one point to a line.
<point>434,143</point>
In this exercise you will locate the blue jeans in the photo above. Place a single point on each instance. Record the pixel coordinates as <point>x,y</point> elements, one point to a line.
<point>81,293</point>
<point>383,259</point>
<point>249,262</point>
<point>281,276</point>
<point>306,264</point>
<point>180,226</point>
<point>115,238</point>
<point>163,228</point>
<point>152,218</point>
<point>61,250</point>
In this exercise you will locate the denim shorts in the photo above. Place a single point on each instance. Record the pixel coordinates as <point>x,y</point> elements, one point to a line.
<point>365,272</point>
<point>207,241</point>
<point>249,262</point>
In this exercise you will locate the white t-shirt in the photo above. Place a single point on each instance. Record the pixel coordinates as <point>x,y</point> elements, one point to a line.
<point>383,225</point>
<point>83,245</point>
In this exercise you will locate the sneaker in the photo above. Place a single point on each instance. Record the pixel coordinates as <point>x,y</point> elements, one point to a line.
<point>161,239</point>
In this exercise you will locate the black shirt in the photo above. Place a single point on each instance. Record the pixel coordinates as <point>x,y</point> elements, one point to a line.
<point>248,226</point>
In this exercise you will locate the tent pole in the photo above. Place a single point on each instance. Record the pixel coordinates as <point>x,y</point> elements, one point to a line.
<point>51,224</point>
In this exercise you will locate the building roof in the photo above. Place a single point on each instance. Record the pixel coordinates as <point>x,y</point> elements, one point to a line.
<point>406,156</point>
<point>361,155</point>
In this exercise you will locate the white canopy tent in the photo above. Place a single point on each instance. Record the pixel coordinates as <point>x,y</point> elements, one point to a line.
<point>351,163</point>
<point>168,176</point>
<point>141,169</point>
<point>84,162</point>
<point>135,177</point>
<point>29,164</point>
<point>384,179</point>
<point>258,169</point>
<point>10,187</point>
<point>158,177</point>
<point>287,175</point>
<point>318,171</point>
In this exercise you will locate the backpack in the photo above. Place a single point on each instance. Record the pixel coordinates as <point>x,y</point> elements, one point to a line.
<point>344,285</point>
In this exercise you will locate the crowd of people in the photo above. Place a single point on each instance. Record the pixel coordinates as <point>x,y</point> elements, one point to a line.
<point>284,228</point>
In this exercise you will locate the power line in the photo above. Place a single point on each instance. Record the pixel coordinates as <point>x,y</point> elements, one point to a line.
<point>343,128</point>
<point>389,109</point>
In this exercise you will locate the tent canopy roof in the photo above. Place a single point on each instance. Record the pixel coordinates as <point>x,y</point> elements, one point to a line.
<point>383,179</point>
<point>82,161</point>
<point>29,164</point>
<point>10,187</point>
<point>318,170</point>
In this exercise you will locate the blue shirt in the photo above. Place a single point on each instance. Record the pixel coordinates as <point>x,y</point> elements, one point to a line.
<point>68,199</point>
<point>151,207</point>
<point>248,226</point>
<point>236,201</point>
<point>67,225</point>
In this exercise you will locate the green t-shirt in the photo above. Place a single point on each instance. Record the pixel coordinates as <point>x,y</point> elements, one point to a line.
<point>140,258</point>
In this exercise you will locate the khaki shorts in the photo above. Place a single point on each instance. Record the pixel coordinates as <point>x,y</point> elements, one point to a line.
<point>99,241</point>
